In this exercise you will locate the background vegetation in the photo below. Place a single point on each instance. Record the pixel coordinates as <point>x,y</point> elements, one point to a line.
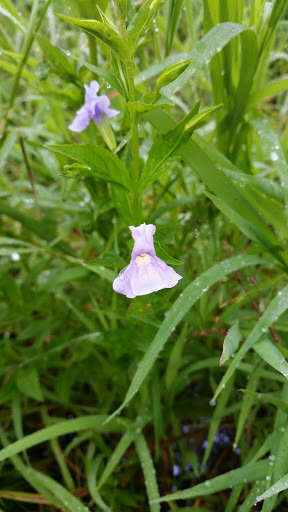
<point>116,404</point>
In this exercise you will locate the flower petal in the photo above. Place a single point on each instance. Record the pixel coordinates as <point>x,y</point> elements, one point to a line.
<point>153,277</point>
<point>122,283</point>
<point>91,91</point>
<point>80,121</point>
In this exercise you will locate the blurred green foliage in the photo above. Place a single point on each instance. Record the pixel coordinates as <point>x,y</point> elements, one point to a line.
<point>116,404</point>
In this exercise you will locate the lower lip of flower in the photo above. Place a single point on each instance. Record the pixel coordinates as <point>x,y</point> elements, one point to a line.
<point>143,259</point>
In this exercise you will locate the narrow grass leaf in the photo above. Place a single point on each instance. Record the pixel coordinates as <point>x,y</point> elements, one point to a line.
<point>149,472</point>
<point>60,429</point>
<point>69,502</point>
<point>270,353</point>
<point>249,472</point>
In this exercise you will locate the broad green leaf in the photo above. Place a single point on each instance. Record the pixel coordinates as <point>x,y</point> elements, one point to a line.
<point>59,429</point>
<point>277,306</point>
<point>248,228</point>
<point>99,161</point>
<point>231,343</point>
<point>249,472</point>
<point>104,32</point>
<point>231,196</point>
<point>205,49</point>
<point>177,312</point>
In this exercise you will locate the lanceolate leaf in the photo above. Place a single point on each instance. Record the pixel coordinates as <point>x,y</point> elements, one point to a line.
<point>102,31</point>
<point>100,162</point>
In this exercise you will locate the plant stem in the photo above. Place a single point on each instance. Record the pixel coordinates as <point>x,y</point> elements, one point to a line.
<point>134,141</point>
<point>134,121</point>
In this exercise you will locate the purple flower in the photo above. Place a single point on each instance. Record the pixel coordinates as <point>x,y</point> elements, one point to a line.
<point>94,108</point>
<point>146,273</point>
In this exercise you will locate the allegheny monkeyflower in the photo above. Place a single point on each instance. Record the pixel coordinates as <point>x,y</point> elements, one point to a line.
<point>146,273</point>
<point>94,108</point>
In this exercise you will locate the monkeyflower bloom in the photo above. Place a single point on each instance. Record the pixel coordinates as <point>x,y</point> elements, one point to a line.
<point>94,108</point>
<point>146,273</point>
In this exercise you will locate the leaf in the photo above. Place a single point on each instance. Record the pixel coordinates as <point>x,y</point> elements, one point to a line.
<point>231,196</point>
<point>92,483</point>
<point>277,306</point>
<point>99,161</point>
<point>249,472</point>
<point>231,343</point>
<point>161,253</point>
<point>141,21</point>
<point>218,413</point>
<point>279,486</point>
<point>177,312</point>
<point>175,358</point>
<point>165,146</point>
<point>171,73</point>
<point>134,430</point>
<point>247,402</point>
<point>148,470</point>
<point>42,228</point>
<point>8,10</point>
<point>57,59</point>
<point>205,49</point>
<point>270,353</point>
<point>271,89</point>
<point>173,18</point>
<point>268,398</point>
<point>59,429</point>
<point>68,501</point>
<point>140,106</point>
<point>28,382</point>
<point>102,31</point>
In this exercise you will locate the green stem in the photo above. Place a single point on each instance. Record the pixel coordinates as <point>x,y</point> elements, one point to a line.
<point>93,50</point>
<point>134,140</point>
